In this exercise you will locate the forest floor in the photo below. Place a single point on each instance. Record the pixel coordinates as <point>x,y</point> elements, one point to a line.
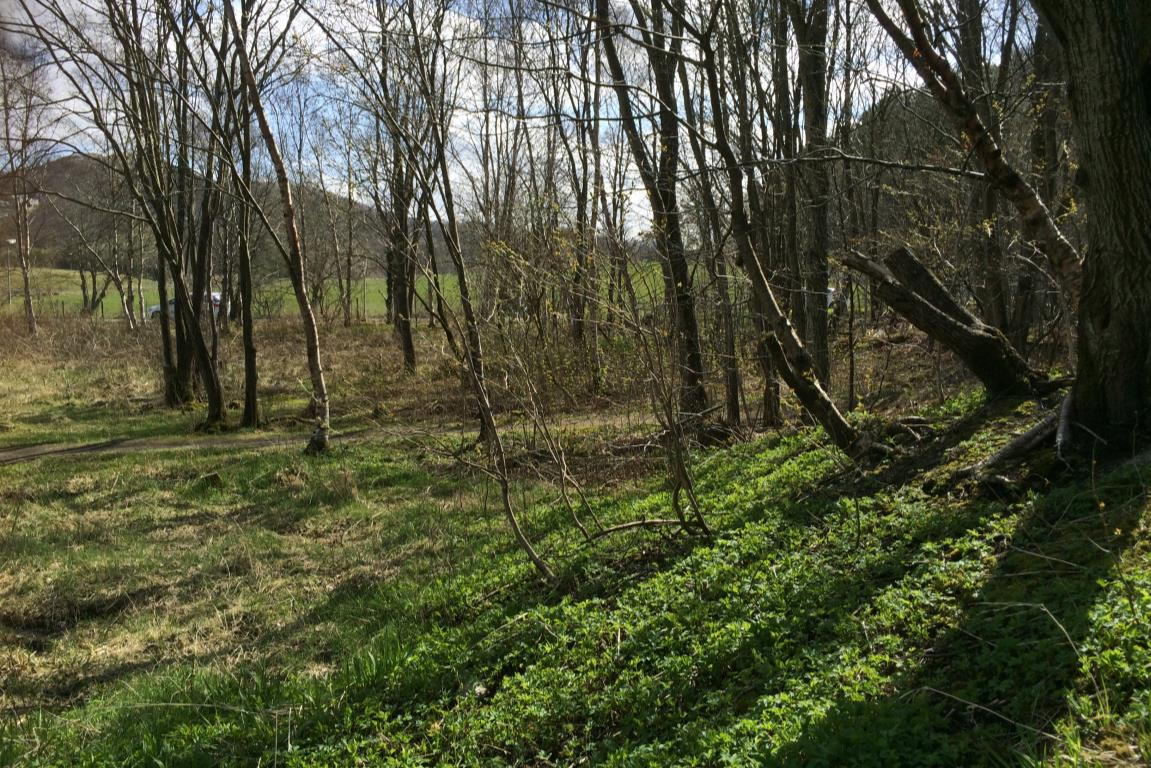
<point>174,598</point>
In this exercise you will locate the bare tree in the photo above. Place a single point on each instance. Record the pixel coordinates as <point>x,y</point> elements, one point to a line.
<point>660,38</point>
<point>128,74</point>
<point>26,120</point>
<point>946,86</point>
<point>809,20</point>
<point>291,250</point>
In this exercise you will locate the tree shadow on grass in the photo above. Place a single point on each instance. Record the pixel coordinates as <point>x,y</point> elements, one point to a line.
<point>992,684</point>
<point>830,601</point>
<point>976,694</point>
<point>993,687</point>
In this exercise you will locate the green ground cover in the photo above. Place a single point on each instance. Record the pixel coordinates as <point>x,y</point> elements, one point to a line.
<point>240,604</point>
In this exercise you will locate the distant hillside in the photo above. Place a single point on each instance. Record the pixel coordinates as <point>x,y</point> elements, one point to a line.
<point>86,191</point>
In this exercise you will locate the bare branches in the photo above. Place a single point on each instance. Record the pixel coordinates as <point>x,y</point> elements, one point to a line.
<point>945,85</point>
<point>318,443</point>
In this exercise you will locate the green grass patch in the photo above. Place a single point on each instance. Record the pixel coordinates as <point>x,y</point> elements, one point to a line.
<point>256,607</point>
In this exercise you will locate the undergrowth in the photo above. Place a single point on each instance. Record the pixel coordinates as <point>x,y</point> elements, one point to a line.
<point>838,617</point>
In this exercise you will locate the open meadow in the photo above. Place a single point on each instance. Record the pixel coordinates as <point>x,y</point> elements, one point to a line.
<point>56,294</point>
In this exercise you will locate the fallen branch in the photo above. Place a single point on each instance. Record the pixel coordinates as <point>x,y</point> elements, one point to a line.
<point>906,285</point>
<point>1040,433</point>
<point>659,523</point>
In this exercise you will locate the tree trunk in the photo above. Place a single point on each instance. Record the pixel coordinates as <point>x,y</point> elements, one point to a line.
<point>1107,44</point>
<point>659,179</point>
<point>318,443</point>
<point>251,415</point>
<point>809,20</point>
<point>171,393</point>
<point>29,310</point>
<point>24,252</point>
<point>983,238</point>
<point>200,353</point>
<point>181,320</point>
<point>1037,222</point>
<point>712,235</point>
<point>401,263</point>
<point>788,352</point>
<point>909,288</point>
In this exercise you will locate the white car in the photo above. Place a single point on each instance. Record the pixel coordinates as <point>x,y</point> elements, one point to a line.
<point>154,310</point>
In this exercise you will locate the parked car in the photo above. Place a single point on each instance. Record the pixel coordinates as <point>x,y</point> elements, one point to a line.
<point>154,310</point>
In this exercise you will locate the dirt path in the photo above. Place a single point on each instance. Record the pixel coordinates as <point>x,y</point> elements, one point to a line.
<point>17,454</point>
<point>22,453</point>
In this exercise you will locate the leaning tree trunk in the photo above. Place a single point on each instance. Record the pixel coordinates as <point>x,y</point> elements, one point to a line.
<point>295,256</point>
<point>1107,44</point>
<point>904,284</point>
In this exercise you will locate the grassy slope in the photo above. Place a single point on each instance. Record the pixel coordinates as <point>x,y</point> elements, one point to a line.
<point>244,606</point>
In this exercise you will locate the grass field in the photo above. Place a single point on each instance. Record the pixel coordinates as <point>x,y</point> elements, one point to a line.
<point>56,293</point>
<point>200,599</point>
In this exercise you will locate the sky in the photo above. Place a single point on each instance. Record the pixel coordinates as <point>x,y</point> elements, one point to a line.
<point>872,55</point>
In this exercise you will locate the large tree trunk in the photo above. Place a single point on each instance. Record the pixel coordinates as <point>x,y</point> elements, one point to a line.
<point>1107,44</point>
<point>788,269</point>
<point>436,294</point>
